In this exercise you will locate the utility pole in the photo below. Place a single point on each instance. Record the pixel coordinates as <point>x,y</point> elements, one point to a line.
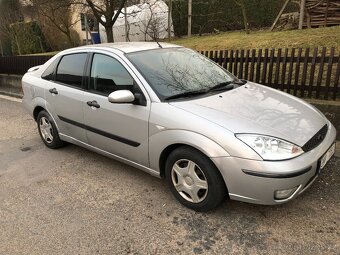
<point>169,19</point>
<point>189,17</point>
<point>302,13</point>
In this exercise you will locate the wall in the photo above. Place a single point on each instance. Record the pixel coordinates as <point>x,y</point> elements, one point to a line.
<point>11,85</point>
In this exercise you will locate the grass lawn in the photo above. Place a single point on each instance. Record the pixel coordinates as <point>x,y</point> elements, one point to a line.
<point>316,37</point>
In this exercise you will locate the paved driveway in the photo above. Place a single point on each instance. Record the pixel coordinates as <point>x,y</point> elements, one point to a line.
<point>73,201</point>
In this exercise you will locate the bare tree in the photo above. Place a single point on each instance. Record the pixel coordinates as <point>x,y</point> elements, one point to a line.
<point>154,24</point>
<point>58,14</point>
<point>10,13</point>
<point>209,18</point>
<point>154,28</point>
<point>244,14</point>
<point>151,25</point>
<point>110,10</point>
<point>208,13</point>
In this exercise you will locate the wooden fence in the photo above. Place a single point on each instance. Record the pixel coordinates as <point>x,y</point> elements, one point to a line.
<point>307,73</point>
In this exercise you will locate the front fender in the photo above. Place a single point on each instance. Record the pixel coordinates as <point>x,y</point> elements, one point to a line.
<point>160,141</point>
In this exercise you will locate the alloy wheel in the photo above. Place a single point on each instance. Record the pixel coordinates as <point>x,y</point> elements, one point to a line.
<point>46,129</point>
<point>189,180</point>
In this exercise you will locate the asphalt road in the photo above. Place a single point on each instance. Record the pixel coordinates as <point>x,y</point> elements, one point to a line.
<point>74,201</point>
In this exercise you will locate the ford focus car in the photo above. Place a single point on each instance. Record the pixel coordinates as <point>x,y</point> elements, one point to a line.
<point>175,114</point>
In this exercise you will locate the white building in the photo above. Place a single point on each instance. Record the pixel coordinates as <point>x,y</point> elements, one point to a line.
<point>142,22</point>
<point>145,20</point>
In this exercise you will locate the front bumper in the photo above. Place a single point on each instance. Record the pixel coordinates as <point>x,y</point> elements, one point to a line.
<point>256,181</point>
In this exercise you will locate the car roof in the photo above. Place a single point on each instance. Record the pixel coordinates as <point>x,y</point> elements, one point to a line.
<point>128,47</point>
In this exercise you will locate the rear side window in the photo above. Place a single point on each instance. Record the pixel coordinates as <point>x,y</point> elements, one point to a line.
<point>71,68</point>
<point>48,74</point>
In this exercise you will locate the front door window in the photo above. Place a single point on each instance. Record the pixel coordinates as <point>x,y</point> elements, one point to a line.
<point>108,75</point>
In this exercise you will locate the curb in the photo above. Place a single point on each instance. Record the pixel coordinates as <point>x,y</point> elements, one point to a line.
<point>337,149</point>
<point>11,94</point>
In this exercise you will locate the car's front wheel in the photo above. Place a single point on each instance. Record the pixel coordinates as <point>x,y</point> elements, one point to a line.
<point>194,179</point>
<point>48,131</point>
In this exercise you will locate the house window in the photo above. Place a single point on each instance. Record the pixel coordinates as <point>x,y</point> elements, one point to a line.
<point>92,22</point>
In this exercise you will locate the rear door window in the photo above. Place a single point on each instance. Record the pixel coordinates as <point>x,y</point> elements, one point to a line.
<point>70,70</point>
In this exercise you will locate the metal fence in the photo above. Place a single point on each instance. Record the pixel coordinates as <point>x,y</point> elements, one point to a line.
<point>307,73</point>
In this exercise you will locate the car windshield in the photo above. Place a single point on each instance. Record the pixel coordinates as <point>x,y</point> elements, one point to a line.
<point>175,71</point>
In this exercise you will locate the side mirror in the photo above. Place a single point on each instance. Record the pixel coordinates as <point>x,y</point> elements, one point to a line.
<point>121,97</point>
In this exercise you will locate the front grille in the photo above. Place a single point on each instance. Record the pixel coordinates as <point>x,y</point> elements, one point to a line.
<point>316,139</point>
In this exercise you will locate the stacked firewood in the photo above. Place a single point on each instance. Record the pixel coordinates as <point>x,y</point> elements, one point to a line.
<point>288,21</point>
<point>322,13</point>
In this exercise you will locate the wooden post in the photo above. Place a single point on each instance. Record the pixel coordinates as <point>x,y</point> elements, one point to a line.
<point>329,72</point>
<point>169,19</point>
<point>302,13</point>
<point>320,74</point>
<point>279,15</point>
<point>326,14</point>
<point>309,24</point>
<point>189,17</point>
<point>126,25</point>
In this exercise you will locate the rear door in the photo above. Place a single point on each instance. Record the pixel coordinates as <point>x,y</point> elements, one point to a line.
<point>65,94</point>
<point>121,129</point>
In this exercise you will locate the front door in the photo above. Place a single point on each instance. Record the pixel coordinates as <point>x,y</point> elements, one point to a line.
<point>121,129</point>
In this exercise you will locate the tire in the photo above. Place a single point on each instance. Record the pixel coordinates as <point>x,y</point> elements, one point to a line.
<point>194,180</point>
<point>48,131</point>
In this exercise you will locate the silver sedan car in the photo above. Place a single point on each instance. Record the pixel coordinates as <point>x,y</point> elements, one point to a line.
<point>175,114</point>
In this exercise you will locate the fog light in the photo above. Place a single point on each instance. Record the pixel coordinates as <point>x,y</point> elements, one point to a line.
<point>285,193</point>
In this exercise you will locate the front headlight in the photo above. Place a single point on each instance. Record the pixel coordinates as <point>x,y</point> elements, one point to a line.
<point>270,148</point>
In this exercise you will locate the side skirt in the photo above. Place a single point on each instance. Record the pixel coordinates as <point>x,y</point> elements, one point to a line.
<point>72,140</point>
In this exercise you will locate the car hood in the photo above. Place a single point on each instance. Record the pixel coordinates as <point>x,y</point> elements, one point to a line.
<point>254,108</point>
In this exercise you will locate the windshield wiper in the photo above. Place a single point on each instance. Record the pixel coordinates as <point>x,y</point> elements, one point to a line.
<point>228,85</point>
<point>187,94</point>
<point>223,85</point>
<point>240,82</point>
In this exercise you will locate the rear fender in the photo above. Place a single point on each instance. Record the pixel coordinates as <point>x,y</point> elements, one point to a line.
<point>34,68</point>
<point>41,102</point>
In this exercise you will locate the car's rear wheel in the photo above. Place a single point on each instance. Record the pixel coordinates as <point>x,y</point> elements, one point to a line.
<point>194,179</point>
<point>48,131</point>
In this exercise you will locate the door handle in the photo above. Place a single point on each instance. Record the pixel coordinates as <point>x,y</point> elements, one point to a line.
<point>53,91</point>
<point>93,104</point>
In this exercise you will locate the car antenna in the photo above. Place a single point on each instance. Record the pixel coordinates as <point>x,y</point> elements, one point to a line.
<point>160,46</point>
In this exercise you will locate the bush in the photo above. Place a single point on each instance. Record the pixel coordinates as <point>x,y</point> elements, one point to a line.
<point>26,38</point>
